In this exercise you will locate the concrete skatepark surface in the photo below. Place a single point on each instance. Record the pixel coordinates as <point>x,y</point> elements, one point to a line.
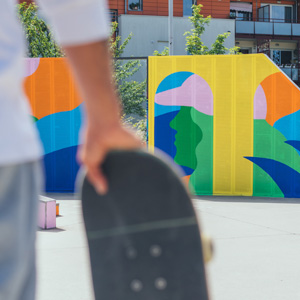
<point>257,243</point>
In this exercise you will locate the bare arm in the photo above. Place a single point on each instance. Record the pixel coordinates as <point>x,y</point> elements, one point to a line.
<point>91,64</point>
<point>82,28</point>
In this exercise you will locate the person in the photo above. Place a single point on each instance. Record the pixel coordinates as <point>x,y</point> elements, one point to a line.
<point>82,29</point>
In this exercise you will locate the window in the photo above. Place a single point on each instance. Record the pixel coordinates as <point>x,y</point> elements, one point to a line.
<point>282,57</point>
<point>187,7</point>
<point>135,5</point>
<point>245,50</point>
<point>275,13</point>
<point>264,13</point>
<point>241,15</point>
<point>113,14</point>
<point>241,11</point>
<point>281,13</point>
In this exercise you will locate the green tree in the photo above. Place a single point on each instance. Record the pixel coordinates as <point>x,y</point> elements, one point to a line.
<point>219,48</point>
<point>39,37</point>
<point>132,93</point>
<point>194,44</point>
<point>165,52</point>
<point>41,43</point>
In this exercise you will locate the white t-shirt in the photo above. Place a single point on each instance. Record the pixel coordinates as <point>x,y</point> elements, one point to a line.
<point>74,22</point>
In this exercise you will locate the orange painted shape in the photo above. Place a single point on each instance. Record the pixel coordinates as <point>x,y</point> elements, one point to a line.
<point>51,88</point>
<point>186,180</point>
<point>283,97</point>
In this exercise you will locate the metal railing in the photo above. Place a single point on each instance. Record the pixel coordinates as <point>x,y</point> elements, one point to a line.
<point>262,19</point>
<point>267,28</point>
<point>291,71</point>
<point>274,20</point>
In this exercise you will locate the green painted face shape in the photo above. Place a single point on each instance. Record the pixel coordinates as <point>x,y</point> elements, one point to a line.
<point>194,144</point>
<point>188,136</point>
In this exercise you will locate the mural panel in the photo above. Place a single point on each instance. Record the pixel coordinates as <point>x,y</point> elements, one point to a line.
<point>230,122</point>
<point>57,115</point>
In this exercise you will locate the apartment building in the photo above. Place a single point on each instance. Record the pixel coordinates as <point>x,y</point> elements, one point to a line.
<point>148,21</point>
<point>270,27</point>
<point>259,26</point>
<point>256,26</point>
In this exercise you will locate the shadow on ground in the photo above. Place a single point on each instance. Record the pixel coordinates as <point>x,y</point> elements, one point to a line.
<point>54,230</point>
<point>245,199</point>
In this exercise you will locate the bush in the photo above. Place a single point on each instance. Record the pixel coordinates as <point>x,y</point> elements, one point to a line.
<point>40,41</point>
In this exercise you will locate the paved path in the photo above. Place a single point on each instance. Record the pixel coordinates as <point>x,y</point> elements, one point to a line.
<point>257,253</point>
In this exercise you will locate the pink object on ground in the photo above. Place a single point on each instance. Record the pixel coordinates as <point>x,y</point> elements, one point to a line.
<point>47,213</point>
<point>194,92</point>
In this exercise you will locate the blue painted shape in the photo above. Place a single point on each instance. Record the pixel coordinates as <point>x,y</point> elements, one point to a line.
<point>164,109</point>
<point>173,81</point>
<point>60,130</point>
<point>164,137</point>
<point>289,126</point>
<point>287,179</point>
<point>61,170</point>
<point>295,144</point>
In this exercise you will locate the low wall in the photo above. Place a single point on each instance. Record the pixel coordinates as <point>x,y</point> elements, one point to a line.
<point>56,113</point>
<point>231,122</point>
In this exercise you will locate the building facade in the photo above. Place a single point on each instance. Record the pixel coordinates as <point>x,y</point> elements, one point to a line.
<point>147,20</point>
<point>259,26</point>
<point>272,28</point>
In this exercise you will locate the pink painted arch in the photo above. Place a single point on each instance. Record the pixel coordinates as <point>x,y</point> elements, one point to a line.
<point>260,104</point>
<point>194,92</point>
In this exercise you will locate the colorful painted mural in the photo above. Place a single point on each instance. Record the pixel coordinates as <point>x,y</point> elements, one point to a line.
<point>56,111</point>
<point>231,122</point>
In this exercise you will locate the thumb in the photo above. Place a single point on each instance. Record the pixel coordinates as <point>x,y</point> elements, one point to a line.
<point>98,180</point>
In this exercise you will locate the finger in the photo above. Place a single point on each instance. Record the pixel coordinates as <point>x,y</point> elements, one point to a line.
<point>98,180</point>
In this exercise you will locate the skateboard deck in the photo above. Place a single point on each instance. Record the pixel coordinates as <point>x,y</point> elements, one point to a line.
<point>143,235</point>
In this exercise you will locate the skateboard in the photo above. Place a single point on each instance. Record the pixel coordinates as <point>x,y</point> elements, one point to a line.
<point>143,235</point>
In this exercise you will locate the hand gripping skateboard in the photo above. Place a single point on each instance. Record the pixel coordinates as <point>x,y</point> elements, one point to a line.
<point>143,235</point>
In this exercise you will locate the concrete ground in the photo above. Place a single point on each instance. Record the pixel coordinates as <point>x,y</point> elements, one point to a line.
<point>257,250</point>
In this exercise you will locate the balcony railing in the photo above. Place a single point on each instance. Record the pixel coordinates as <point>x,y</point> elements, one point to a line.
<point>267,28</point>
<point>291,71</point>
